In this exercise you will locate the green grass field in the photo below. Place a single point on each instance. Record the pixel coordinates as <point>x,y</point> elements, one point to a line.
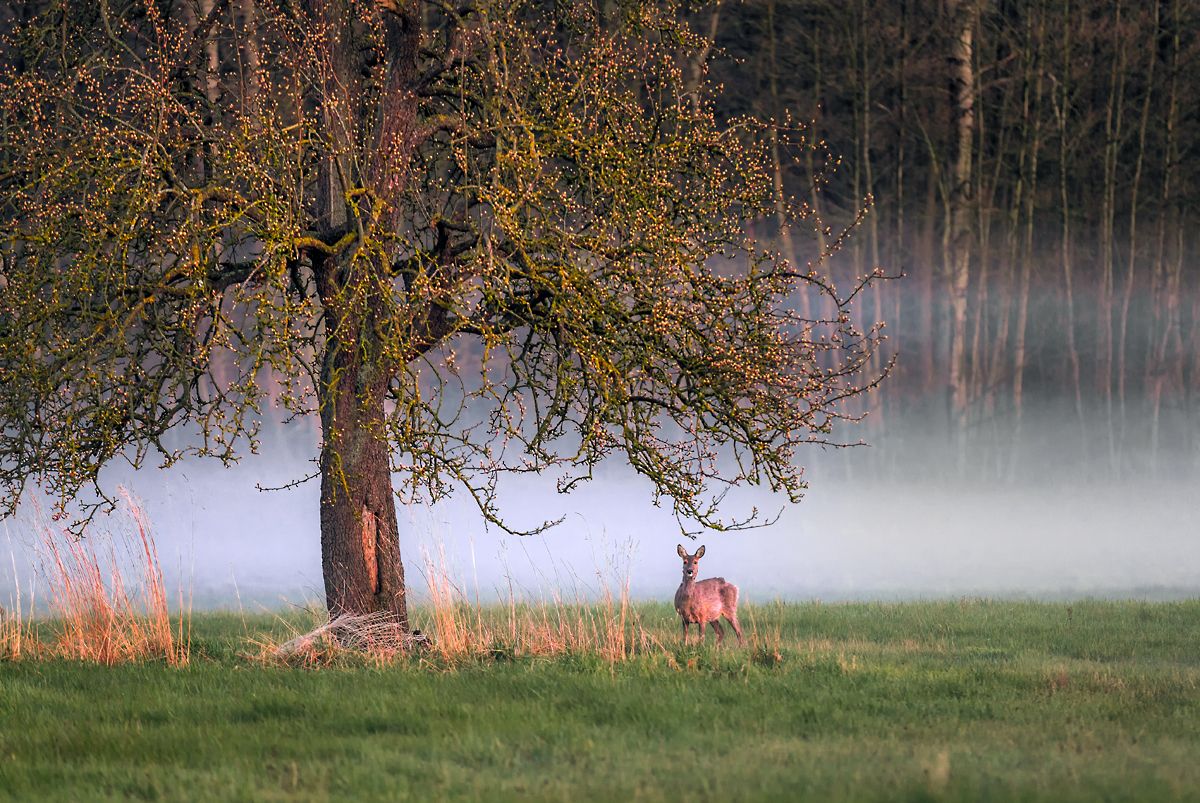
<point>963,700</point>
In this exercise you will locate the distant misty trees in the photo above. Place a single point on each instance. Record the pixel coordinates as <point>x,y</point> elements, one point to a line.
<point>1030,165</point>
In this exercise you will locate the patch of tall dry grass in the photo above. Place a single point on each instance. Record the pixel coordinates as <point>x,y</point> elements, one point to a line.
<point>597,620</point>
<point>554,622</point>
<point>106,598</point>
<point>13,641</point>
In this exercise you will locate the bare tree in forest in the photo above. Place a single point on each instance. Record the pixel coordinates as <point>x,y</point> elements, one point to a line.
<point>963,18</point>
<point>1164,291</point>
<point>1113,132</point>
<point>472,239</point>
<point>1062,113</point>
<point>1151,60</point>
<point>1044,300</point>
<point>1026,192</point>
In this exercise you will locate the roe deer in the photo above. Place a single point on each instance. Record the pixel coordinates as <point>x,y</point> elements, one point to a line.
<point>705,601</point>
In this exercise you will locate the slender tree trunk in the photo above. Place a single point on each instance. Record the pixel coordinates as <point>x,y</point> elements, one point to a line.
<point>900,253</point>
<point>700,60</point>
<point>1133,210</point>
<point>815,136</point>
<point>1031,122</point>
<point>985,368</point>
<point>781,212</point>
<point>1156,365</point>
<point>1062,108</point>
<point>925,332</point>
<point>983,208</point>
<point>856,249</point>
<point>212,61</point>
<point>873,215</point>
<point>964,14</point>
<point>823,308</point>
<point>1112,135</point>
<point>249,57</point>
<point>1170,347</point>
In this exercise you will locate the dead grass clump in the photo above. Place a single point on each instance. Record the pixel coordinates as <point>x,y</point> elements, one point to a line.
<point>374,635</point>
<point>105,590</point>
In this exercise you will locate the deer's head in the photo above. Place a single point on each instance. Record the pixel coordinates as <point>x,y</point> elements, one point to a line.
<point>691,563</point>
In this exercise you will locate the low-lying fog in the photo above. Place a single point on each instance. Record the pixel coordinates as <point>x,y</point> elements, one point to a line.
<point>870,527</point>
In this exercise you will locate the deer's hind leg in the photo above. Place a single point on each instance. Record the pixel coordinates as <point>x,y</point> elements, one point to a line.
<point>732,619</point>
<point>729,595</point>
<point>716,623</point>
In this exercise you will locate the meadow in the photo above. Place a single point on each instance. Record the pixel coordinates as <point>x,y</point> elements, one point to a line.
<point>920,701</point>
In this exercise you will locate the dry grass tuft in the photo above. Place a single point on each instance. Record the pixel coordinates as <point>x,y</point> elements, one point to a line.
<point>104,609</point>
<point>374,635</point>
<point>13,643</point>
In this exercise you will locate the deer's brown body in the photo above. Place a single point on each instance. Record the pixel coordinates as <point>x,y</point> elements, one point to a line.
<point>706,601</point>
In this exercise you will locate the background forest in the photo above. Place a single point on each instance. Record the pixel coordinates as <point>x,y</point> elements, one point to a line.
<point>1062,309</point>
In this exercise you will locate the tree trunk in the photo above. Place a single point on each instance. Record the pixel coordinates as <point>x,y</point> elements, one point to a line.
<point>360,546</point>
<point>781,210</point>
<point>900,252</point>
<point>700,60</point>
<point>1061,111</point>
<point>925,331</point>
<point>1156,365</point>
<point>856,249</point>
<point>876,364</point>
<point>1025,194</point>
<point>814,137</point>
<point>360,543</point>
<point>1112,134</point>
<point>249,56</point>
<point>964,13</point>
<point>1133,209</point>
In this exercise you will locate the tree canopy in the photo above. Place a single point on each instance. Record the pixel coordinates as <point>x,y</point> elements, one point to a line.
<point>474,239</point>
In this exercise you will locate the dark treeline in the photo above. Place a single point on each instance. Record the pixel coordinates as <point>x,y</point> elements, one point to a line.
<point>1030,167</point>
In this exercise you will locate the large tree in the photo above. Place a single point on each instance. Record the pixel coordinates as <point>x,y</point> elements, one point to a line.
<point>495,236</point>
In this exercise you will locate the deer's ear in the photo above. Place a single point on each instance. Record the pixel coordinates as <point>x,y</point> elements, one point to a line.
<point>700,551</point>
<point>680,550</point>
